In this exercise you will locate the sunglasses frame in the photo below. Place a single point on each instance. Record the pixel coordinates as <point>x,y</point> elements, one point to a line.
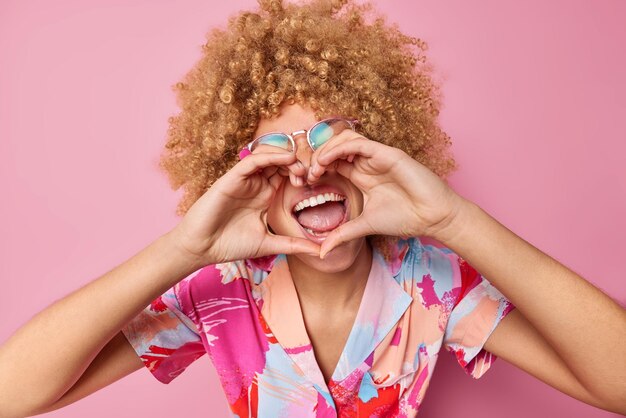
<point>351,121</point>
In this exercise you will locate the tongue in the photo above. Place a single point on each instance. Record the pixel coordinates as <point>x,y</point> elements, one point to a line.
<point>322,217</point>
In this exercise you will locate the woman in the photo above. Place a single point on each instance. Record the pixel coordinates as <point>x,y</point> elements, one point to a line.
<point>286,270</point>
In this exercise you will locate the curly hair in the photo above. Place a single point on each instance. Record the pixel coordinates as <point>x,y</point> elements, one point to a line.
<point>336,56</point>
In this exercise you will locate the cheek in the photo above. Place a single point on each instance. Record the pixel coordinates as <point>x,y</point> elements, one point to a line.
<point>357,201</point>
<point>275,213</point>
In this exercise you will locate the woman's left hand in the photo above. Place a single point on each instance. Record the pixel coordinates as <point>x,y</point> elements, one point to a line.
<point>401,197</point>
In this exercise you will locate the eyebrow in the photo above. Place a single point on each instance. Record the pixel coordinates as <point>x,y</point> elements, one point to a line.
<point>299,131</point>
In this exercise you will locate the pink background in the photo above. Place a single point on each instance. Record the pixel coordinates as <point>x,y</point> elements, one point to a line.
<point>535,102</point>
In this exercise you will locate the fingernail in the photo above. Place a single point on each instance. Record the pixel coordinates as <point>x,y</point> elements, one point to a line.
<point>299,181</point>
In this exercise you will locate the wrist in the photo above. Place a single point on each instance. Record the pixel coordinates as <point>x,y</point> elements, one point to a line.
<point>176,247</point>
<point>453,226</point>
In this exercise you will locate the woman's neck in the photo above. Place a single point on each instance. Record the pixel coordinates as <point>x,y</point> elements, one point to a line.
<point>332,290</point>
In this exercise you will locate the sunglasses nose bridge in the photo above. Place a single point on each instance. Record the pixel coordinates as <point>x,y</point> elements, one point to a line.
<point>300,132</point>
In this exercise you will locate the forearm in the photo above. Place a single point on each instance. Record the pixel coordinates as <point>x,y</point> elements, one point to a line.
<point>583,325</point>
<point>47,355</point>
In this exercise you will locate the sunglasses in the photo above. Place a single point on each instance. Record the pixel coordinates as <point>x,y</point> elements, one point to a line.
<point>316,136</point>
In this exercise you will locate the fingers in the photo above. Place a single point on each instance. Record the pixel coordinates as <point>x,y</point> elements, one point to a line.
<point>346,148</point>
<point>356,228</point>
<point>268,172</point>
<point>344,168</point>
<point>295,171</point>
<point>336,140</point>
<point>295,180</point>
<point>276,180</point>
<point>257,162</point>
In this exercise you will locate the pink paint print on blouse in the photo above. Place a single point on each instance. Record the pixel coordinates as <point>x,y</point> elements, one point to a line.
<point>246,315</point>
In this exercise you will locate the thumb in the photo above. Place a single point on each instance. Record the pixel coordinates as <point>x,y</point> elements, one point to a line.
<point>279,244</point>
<point>356,228</point>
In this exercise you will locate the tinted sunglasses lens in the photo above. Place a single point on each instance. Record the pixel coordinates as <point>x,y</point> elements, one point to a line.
<point>275,140</point>
<point>325,130</point>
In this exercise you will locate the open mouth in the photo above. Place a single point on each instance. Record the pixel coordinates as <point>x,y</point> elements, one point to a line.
<point>318,215</point>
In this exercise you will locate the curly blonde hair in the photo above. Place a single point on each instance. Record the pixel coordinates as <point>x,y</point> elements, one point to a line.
<point>336,56</point>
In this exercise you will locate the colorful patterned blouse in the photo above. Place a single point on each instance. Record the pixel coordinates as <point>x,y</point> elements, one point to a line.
<point>246,315</point>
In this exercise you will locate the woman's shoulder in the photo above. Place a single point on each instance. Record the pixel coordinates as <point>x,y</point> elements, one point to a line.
<point>419,258</point>
<point>214,280</point>
<point>249,269</point>
<point>399,251</point>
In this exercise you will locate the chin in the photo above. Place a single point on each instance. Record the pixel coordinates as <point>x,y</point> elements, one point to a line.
<point>340,259</point>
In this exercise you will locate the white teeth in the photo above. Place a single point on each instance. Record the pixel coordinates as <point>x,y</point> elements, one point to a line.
<point>310,231</point>
<point>318,200</point>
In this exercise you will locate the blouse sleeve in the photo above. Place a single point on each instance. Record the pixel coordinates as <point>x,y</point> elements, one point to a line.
<point>479,308</point>
<point>166,340</point>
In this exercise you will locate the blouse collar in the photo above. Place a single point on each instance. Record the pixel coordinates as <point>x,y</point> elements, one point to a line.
<point>383,303</point>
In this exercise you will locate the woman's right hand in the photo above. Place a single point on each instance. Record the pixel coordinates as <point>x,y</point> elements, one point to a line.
<point>228,222</point>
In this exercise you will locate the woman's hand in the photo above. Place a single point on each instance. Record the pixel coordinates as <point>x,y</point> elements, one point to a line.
<point>229,223</point>
<point>401,196</point>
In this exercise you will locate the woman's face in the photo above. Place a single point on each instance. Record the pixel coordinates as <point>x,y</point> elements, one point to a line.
<point>313,223</point>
